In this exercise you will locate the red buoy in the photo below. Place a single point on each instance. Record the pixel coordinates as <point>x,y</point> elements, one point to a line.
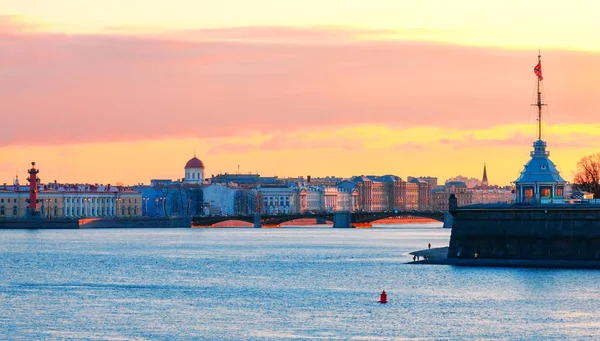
<point>383,297</point>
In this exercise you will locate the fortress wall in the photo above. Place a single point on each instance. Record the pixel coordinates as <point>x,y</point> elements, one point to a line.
<point>541,233</point>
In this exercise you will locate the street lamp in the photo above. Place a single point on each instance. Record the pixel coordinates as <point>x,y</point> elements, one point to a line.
<point>117,205</point>
<point>156,206</point>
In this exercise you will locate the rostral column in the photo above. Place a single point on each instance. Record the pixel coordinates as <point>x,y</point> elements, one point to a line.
<point>33,187</point>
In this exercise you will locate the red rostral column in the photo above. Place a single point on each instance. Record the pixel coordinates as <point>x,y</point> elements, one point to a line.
<point>33,187</point>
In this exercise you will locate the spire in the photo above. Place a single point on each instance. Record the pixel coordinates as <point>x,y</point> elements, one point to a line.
<point>484,181</point>
<point>538,72</point>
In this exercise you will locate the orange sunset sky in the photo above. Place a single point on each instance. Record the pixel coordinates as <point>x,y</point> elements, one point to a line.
<point>125,91</point>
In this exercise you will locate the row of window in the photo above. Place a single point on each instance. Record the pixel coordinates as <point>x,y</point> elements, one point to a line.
<point>77,200</point>
<point>269,201</point>
<point>96,200</point>
<point>193,176</point>
<point>73,211</point>
<point>545,192</point>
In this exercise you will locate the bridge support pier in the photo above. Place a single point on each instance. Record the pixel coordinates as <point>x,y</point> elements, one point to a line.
<point>257,221</point>
<point>448,219</point>
<point>342,219</point>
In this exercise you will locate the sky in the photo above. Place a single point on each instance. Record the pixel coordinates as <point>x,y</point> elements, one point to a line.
<point>127,91</point>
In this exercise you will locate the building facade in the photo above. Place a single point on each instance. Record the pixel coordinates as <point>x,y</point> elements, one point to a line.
<point>277,199</point>
<point>441,195</point>
<point>72,201</point>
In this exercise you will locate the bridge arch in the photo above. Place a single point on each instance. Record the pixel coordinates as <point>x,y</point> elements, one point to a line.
<point>213,220</point>
<point>373,217</point>
<point>282,219</point>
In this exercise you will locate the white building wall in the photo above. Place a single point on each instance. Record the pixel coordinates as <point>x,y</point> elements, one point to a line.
<point>194,175</point>
<point>344,200</point>
<point>219,199</point>
<point>279,200</point>
<point>315,199</point>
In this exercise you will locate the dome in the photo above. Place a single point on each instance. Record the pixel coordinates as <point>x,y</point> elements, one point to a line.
<point>540,168</point>
<point>194,163</point>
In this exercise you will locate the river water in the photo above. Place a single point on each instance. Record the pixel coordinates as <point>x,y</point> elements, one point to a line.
<point>275,284</point>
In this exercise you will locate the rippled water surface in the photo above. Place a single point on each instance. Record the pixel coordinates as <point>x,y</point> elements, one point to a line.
<point>289,283</point>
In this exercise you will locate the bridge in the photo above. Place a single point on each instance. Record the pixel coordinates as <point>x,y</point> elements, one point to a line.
<point>343,219</point>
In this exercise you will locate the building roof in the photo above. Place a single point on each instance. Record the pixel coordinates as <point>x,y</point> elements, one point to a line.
<point>194,163</point>
<point>540,168</point>
<point>456,184</point>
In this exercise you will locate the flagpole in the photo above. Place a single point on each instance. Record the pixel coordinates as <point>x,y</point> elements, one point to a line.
<point>539,104</point>
<point>539,101</point>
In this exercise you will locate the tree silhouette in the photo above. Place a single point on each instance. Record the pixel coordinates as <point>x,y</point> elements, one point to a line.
<point>587,175</point>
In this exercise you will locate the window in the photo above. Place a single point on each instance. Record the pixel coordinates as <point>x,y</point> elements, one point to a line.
<point>55,200</point>
<point>15,210</point>
<point>529,193</point>
<point>135,210</point>
<point>545,192</point>
<point>559,191</point>
<point>2,210</point>
<point>193,175</point>
<point>2,200</point>
<point>55,211</point>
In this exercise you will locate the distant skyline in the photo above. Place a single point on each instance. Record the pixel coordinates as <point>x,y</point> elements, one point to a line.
<point>126,92</point>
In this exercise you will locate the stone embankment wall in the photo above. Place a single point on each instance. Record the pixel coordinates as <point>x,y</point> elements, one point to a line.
<point>33,224</point>
<point>544,232</point>
<point>135,223</point>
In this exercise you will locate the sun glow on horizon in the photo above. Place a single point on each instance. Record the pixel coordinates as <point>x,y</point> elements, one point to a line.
<point>432,87</point>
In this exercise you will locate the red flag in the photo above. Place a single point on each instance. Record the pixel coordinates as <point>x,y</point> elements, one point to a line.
<point>538,70</point>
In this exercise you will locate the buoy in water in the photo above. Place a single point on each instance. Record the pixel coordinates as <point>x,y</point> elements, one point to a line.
<point>383,297</point>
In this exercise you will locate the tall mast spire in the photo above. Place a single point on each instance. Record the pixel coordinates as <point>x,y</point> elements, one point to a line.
<point>539,104</point>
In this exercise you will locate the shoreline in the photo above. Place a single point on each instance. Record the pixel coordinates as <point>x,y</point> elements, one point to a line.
<point>439,256</point>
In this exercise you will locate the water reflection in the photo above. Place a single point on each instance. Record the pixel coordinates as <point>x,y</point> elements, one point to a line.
<point>292,283</point>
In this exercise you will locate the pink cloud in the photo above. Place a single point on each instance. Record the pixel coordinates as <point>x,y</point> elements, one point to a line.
<point>10,24</point>
<point>278,34</point>
<point>57,89</point>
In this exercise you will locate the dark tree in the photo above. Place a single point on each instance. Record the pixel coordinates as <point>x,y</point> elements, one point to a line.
<point>587,175</point>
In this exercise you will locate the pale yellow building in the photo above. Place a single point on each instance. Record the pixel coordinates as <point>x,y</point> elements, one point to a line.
<point>72,201</point>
